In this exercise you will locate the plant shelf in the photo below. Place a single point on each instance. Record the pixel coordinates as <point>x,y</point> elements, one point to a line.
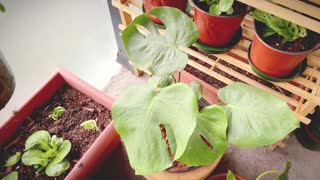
<point>305,89</point>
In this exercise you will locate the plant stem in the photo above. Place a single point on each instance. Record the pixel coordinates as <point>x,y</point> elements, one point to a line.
<point>179,78</point>
<point>174,79</point>
<point>267,173</point>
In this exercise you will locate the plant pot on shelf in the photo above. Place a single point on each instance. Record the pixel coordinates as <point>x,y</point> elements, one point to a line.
<point>7,82</point>
<point>224,177</point>
<point>150,4</point>
<point>217,31</point>
<point>271,61</point>
<point>101,148</point>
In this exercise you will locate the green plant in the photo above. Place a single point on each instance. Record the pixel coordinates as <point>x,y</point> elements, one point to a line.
<point>57,112</point>
<point>2,8</point>
<point>282,176</point>
<point>230,175</point>
<point>44,152</point>
<point>217,7</point>
<point>11,176</point>
<point>275,25</point>
<point>12,160</point>
<point>250,117</point>
<point>90,125</point>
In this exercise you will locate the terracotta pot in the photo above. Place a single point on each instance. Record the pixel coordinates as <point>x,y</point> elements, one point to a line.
<point>7,82</point>
<point>216,31</point>
<point>194,174</point>
<point>150,4</point>
<point>274,62</point>
<point>103,145</point>
<point>209,92</point>
<point>224,177</point>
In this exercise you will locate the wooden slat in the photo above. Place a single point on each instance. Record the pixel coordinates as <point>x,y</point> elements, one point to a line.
<point>285,14</point>
<point>300,7</point>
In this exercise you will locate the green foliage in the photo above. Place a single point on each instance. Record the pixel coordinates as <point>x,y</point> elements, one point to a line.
<point>57,112</point>
<point>249,118</point>
<point>46,152</point>
<point>2,8</point>
<point>230,175</point>
<point>275,25</point>
<point>90,125</point>
<point>11,176</point>
<point>12,160</point>
<point>283,176</point>
<point>162,81</point>
<point>197,88</point>
<point>217,7</point>
<point>160,54</point>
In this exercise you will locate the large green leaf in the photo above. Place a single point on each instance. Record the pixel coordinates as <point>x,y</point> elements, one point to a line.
<point>34,157</point>
<point>56,169</point>
<point>140,111</point>
<point>256,118</point>
<point>40,138</point>
<point>212,125</point>
<point>63,151</point>
<point>159,53</point>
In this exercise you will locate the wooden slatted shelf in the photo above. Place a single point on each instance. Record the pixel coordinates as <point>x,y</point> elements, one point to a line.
<point>306,86</point>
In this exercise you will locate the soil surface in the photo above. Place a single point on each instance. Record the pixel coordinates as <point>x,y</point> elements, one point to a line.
<point>238,8</point>
<point>299,45</point>
<point>79,108</point>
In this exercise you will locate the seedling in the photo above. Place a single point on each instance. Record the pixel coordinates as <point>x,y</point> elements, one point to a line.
<point>217,7</point>
<point>275,25</point>
<point>12,160</point>
<point>90,125</point>
<point>11,176</point>
<point>57,112</point>
<point>44,152</point>
<point>230,175</point>
<point>281,176</point>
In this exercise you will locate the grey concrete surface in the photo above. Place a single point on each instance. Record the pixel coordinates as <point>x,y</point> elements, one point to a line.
<point>248,163</point>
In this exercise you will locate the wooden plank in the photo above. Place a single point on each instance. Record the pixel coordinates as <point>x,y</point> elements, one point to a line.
<point>285,14</point>
<point>300,7</point>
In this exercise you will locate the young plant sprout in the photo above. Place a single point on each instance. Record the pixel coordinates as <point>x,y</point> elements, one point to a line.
<point>90,125</point>
<point>12,160</point>
<point>11,176</point>
<point>47,153</point>
<point>57,112</point>
<point>217,7</point>
<point>231,176</point>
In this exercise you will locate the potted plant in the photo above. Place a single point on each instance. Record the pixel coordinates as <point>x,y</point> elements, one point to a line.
<point>279,47</point>
<point>150,4</point>
<point>219,21</point>
<point>66,114</point>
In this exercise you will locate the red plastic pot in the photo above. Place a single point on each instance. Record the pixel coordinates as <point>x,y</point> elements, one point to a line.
<point>209,92</point>
<point>216,31</point>
<point>150,4</point>
<point>103,145</point>
<point>224,177</point>
<point>274,62</point>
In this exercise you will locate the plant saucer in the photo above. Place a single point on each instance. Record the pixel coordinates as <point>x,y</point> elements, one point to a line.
<point>218,50</point>
<point>297,72</point>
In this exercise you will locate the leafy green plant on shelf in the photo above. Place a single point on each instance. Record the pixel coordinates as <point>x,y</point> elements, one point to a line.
<point>275,25</point>
<point>217,7</point>
<point>249,116</point>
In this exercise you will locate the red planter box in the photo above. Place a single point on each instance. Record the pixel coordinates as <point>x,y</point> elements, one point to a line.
<point>103,146</point>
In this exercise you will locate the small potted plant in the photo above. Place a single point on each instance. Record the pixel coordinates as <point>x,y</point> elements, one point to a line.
<point>150,4</point>
<point>279,47</point>
<point>219,22</point>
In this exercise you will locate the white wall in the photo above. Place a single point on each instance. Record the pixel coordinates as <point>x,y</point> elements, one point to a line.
<point>36,36</point>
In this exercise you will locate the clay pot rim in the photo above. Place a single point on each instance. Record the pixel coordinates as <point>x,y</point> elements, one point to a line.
<point>278,50</point>
<point>249,8</point>
<point>225,175</point>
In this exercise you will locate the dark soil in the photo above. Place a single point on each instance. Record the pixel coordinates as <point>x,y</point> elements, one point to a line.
<point>218,84</point>
<point>299,45</point>
<point>79,108</point>
<point>238,8</point>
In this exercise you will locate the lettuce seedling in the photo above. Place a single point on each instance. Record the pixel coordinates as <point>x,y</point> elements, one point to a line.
<point>44,152</point>
<point>11,176</point>
<point>217,7</point>
<point>57,112</point>
<point>275,25</point>
<point>90,125</point>
<point>12,160</point>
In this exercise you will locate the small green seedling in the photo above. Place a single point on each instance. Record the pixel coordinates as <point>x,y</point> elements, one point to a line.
<point>57,112</point>
<point>44,152</point>
<point>231,176</point>
<point>12,160</point>
<point>217,7</point>
<point>282,176</point>
<point>11,176</point>
<point>90,125</point>
<point>275,25</point>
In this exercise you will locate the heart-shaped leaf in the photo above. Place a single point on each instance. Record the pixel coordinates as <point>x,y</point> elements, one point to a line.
<point>225,5</point>
<point>138,114</point>
<point>56,169</point>
<point>256,118</point>
<point>159,53</point>
<point>212,125</point>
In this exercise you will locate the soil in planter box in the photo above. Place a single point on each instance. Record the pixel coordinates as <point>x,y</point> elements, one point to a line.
<point>299,45</point>
<point>218,84</point>
<point>238,8</point>
<point>79,108</point>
